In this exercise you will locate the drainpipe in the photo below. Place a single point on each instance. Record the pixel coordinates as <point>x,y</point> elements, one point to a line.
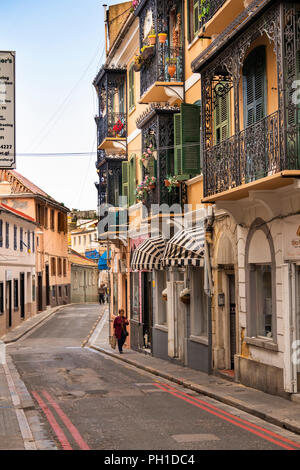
<point>208,286</point>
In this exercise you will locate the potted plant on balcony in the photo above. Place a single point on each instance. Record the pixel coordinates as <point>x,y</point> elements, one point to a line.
<point>172,63</point>
<point>138,63</point>
<point>150,182</point>
<point>118,127</point>
<point>152,37</point>
<point>162,37</point>
<point>147,52</point>
<point>147,155</point>
<point>171,182</point>
<point>204,9</point>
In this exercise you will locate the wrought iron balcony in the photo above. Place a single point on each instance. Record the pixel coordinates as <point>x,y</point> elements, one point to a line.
<point>166,65</point>
<point>254,153</point>
<point>208,9</point>
<point>112,126</point>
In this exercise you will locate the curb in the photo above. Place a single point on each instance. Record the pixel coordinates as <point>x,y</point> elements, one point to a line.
<point>32,327</point>
<point>84,343</point>
<point>204,391</point>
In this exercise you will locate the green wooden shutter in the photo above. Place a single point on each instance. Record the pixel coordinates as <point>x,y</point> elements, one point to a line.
<point>131,88</point>
<point>254,86</point>
<point>177,145</point>
<point>132,179</point>
<point>196,17</point>
<point>221,118</point>
<point>190,139</point>
<point>125,189</point>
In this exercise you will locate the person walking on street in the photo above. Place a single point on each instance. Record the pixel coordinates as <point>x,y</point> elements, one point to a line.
<point>120,323</point>
<point>101,294</point>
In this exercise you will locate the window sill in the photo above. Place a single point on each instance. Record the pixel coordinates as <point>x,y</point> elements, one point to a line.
<point>262,343</point>
<point>199,339</point>
<point>161,327</point>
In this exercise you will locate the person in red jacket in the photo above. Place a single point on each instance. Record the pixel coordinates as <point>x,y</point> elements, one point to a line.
<point>120,323</point>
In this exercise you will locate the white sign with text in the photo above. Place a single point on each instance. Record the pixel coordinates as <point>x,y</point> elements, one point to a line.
<point>7,110</point>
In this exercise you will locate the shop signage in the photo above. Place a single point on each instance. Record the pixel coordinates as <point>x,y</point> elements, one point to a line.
<point>291,238</point>
<point>7,110</point>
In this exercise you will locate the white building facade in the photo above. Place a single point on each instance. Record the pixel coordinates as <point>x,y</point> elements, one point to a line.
<point>17,268</point>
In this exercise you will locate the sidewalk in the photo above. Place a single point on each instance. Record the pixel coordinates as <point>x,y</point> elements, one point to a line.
<point>20,426</point>
<point>30,324</point>
<point>276,410</point>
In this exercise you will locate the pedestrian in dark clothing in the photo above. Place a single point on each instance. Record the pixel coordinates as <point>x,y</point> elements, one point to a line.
<point>120,323</point>
<point>102,294</point>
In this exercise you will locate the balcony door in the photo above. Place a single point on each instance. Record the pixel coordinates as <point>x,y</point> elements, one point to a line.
<point>254,137</point>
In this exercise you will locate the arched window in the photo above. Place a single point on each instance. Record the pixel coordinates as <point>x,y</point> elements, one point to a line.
<point>254,86</point>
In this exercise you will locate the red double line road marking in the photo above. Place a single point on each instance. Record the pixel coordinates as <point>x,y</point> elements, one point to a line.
<point>73,430</point>
<point>53,423</point>
<point>274,434</point>
<point>233,420</point>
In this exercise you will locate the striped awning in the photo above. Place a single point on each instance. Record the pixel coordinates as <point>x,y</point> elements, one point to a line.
<point>148,255</point>
<point>186,248</point>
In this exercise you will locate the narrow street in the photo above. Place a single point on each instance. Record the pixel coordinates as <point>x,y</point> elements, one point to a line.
<point>89,401</point>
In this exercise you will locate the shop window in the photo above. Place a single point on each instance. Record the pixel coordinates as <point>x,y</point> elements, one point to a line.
<point>198,304</point>
<point>161,285</point>
<point>135,296</point>
<point>261,287</point>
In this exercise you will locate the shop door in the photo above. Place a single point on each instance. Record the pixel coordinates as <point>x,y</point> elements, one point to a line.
<point>47,285</point>
<point>8,304</point>
<point>40,293</point>
<point>147,320</point>
<point>22,294</point>
<point>232,318</point>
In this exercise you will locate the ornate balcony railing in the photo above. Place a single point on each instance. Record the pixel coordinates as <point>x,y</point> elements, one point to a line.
<point>254,153</point>
<point>208,9</point>
<point>112,125</point>
<point>157,68</point>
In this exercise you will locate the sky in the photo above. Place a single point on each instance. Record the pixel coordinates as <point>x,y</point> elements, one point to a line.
<point>60,47</point>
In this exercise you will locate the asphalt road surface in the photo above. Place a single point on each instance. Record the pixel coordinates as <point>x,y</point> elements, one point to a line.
<point>89,401</point>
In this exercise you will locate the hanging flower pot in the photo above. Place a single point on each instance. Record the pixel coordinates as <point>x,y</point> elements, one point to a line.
<point>146,163</point>
<point>152,39</point>
<point>171,70</point>
<point>185,296</point>
<point>162,37</point>
<point>152,186</point>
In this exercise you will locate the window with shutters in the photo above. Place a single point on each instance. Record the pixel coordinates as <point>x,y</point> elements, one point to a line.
<point>254,86</point>
<point>131,88</point>
<point>125,185</point>
<point>7,235</point>
<point>187,141</point>
<point>15,237</point>
<point>21,239</point>
<point>193,16</point>
<point>221,118</point>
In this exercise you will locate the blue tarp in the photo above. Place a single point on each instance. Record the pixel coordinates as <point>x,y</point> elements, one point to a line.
<point>94,254</point>
<point>102,265</point>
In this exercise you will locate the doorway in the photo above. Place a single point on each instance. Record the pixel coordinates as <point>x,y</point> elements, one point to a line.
<point>40,292</point>
<point>232,318</point>
<point>47,285</point>
<point>147,310</point>
<point>8,301</point>
<point>22,295</point>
